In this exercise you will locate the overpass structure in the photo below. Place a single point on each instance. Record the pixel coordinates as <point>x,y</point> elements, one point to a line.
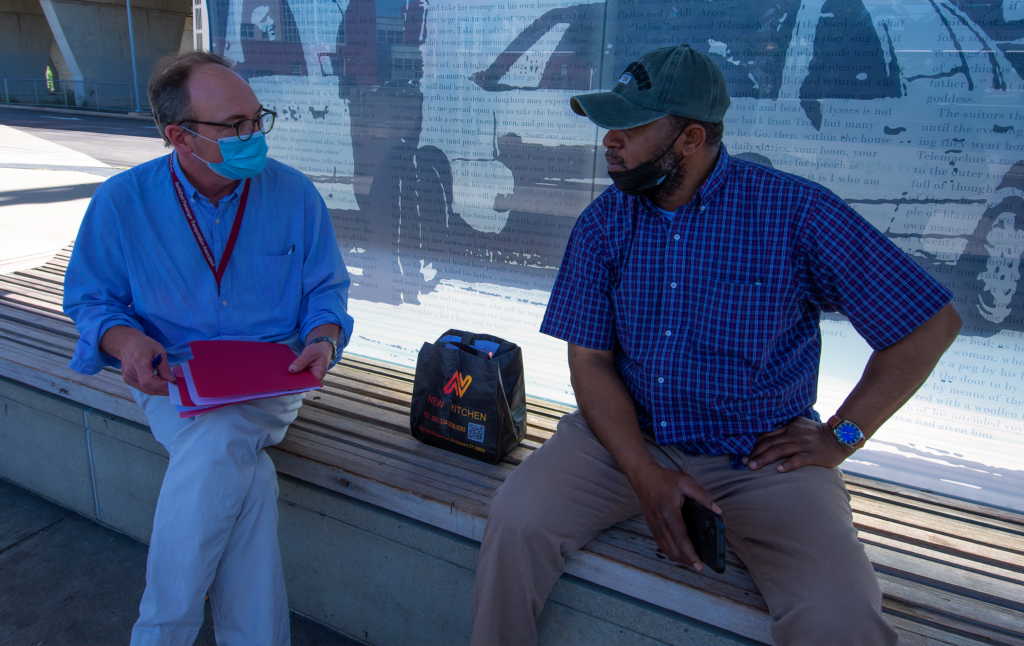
<point>88,53</point>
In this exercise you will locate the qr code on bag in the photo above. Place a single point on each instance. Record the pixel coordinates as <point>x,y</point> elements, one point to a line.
<point>476,433</point>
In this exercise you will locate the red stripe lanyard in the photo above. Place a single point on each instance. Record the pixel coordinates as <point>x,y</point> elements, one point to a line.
<point>218,272</point>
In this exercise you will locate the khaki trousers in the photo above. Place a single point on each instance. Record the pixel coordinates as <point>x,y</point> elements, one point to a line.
<point>794,531</point>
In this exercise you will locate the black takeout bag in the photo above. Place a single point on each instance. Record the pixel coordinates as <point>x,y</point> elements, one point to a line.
<point>469,396</point>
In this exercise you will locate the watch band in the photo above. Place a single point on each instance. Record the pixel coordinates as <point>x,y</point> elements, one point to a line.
<point>835,421</point>
<point>334,346</point>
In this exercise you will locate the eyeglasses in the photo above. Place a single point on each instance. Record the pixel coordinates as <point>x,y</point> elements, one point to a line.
<point>244,129</point>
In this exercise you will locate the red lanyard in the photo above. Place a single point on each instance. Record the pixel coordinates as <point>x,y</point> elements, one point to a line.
<point>218,272</point>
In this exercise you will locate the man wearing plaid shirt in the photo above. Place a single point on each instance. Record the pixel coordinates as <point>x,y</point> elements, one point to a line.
<point>690,295</point>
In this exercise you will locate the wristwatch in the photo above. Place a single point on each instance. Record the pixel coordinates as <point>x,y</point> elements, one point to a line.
<point>847,433</point>
<point>334,346</point>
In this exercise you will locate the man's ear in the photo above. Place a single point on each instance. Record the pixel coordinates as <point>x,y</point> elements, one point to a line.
<point>178,137</point>
<point>692,139</point>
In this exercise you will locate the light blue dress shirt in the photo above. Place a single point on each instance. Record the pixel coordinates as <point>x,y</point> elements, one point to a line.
<point>136,263</point>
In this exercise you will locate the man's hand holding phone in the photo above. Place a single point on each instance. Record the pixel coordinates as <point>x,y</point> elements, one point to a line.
<point>662,493</point>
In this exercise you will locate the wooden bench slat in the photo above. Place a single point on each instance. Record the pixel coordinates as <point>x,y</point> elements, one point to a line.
<point>735,583</point>
<point>39,338</point>
<point>354,403</point>
<point>31,305</point>
<point>954,626</point>
<point>956,528</point>
<point>105,391</point>
<point>952,505</point>
<point>404,380</point>
<point>46,273</point>
<point>609,566</point>
<point>352,408</point>
<point>947,577</point>
<point>32,302</point>
<point>470,496</point>
<point>404,444</point>
<point>34,340</point>
<point>900,501</point>
<point>915,633</point>
<point>451,517</point>
<point>29,320</point>
<point>336,450</point>
<point>895,546</point>
<point>22,285</point>
<point>988,553</point>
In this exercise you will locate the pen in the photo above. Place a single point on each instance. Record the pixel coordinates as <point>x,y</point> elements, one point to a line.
<point>156,361</point>
<point>292,249</point>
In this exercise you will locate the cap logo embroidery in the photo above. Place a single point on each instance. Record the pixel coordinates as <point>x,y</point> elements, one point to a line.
<point>638,71</point>
<point>625,78</point>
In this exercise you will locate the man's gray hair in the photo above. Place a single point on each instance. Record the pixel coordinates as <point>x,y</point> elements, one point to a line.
<point>168,87</point>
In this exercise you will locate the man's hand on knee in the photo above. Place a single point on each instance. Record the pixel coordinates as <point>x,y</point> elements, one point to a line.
<point>662,493</point>
<point>799,442</point>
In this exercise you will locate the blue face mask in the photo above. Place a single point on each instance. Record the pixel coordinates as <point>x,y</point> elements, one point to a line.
<point>242,159</point>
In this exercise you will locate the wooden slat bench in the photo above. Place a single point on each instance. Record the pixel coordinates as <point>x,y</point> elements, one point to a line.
<point>951,571</point>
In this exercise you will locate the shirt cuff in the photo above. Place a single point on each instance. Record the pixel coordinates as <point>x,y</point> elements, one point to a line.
<point>323,317</point>
<point>88,358</point>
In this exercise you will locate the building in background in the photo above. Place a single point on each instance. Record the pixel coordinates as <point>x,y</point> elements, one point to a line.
<point>85,45</point>
<point>200,30</point>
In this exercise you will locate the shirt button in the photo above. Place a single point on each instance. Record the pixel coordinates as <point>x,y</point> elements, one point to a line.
<point>217,221</point>
<point>668,332</point>
<point>702,207</point>
<point>661,380</point>
<point>673,285</point>
<point>224,303</point>
<point>676,236</point>
<point>664,424</point>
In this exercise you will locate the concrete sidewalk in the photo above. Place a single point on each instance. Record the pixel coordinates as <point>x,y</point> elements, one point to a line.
<point>40,210</point>
<point>67,580</point>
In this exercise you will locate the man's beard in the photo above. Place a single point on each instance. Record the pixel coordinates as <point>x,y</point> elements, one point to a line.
<point>674,167</point>
<point>654,178</point>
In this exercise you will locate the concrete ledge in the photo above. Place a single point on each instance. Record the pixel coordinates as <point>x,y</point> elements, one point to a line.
<point>128,467</point>
<point>45,448</point>
<point>368,572</point>
<point>387,579</point>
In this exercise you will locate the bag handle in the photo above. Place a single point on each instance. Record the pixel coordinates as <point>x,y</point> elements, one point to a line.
<point>470,349</point>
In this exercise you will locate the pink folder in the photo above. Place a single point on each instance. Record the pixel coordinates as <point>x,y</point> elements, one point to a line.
<point>181,398</point>
<point>237,368</point>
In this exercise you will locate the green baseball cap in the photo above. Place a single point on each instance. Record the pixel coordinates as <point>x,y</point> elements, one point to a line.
<point>670,80</point>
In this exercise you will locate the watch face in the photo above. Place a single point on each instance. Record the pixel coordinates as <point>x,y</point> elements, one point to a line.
<point>848,433</point>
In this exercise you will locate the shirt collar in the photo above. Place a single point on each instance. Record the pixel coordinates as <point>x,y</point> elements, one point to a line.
<point>716,178</point>
<point>192,192</point>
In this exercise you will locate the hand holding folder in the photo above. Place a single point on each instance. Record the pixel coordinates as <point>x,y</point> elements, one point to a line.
<point>228,372</point>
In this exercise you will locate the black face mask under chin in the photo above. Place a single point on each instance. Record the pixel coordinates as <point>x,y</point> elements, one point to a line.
<point>645,180</point>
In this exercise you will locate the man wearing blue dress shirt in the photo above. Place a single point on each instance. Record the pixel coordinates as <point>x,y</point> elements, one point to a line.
<point>214,241</point>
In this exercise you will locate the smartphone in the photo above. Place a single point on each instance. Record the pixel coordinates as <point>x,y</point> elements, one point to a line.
<point>707,533</point>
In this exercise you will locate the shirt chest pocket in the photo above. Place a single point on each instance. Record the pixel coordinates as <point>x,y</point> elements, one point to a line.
<point>735,319</point>
<point>277,279</point>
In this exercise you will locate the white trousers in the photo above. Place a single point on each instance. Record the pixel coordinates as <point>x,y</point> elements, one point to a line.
<point>215,528</point>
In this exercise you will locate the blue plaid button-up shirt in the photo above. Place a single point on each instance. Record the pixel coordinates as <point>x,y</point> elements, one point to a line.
<point>713,315</point>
